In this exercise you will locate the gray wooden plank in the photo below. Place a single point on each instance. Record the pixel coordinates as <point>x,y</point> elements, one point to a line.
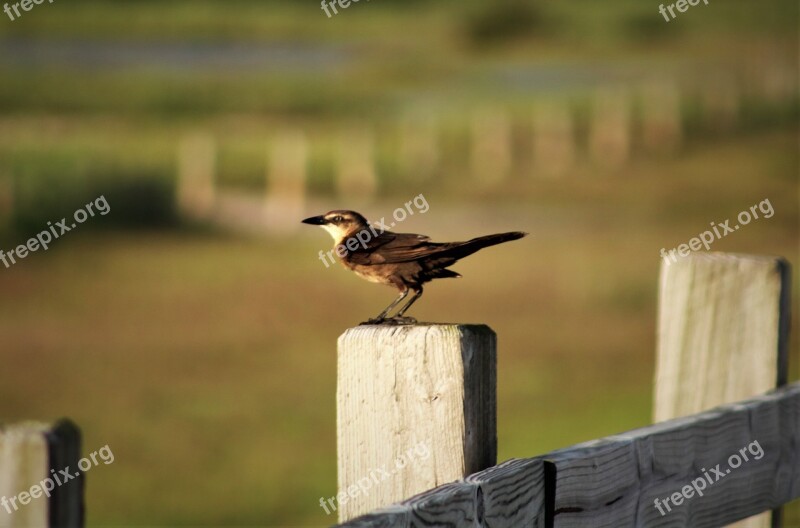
<point>511,494</point>
<point>614,481</point>
<point>596,484</point>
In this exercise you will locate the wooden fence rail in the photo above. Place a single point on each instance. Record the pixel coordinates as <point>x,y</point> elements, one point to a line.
<point>722,338</point>
<point>615,481</point>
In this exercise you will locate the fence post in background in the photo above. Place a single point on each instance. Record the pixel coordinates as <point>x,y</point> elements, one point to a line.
<point>196,187</point>
<point>491,153</point>
<point>356,180</point>
<point>419,146</point>
<point>29,454</point>
<point>661,117</point>
<point>610,130</point>
<point>778,81</point>
<point>285,192</point>
<point>553,139</point>
<point>720,104</point>
<point>416,408</point>
<point>6,202</point>
<point>722,334</point>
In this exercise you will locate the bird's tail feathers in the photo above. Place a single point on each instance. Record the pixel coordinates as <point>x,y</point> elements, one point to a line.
<point>463,249</point>
<point>499,238</point>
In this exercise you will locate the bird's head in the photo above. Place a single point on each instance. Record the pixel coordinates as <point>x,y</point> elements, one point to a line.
<point>339,223</point>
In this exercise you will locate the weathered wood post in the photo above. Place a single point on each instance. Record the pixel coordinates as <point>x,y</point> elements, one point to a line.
<point>722,334</point>
<point>662,127</point>
<point>553,139</point>
<point>720,104</point>
<point>492,153</point>
<point>196,183</point>
<point>416,408</point>
<point>30,453</point>
<point>610,131</point>
<point>356,178</point>
<point>419,145</point>
<point>285,191</point>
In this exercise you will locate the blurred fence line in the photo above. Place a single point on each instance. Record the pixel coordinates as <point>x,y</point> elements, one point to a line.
<point>489,145</point>
<point>606,127</point>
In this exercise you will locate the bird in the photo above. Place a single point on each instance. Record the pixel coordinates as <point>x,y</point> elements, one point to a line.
<point>405,261</point>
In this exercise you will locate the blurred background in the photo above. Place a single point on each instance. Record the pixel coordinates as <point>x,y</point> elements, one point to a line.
<point>193,328</point>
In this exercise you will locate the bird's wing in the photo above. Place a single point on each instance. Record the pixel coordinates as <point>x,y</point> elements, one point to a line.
<point>388,248</point>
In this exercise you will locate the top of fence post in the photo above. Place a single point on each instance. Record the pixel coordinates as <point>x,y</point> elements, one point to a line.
<point>416,408</point>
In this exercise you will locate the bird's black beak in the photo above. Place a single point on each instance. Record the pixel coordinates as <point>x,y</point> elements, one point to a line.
<point>315,220</point>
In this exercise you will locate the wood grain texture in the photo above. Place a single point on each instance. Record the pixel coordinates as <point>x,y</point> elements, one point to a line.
<point>719,332</point>
<point>28,453</point>
<point>425,393</point>
<point>615,481</point>
<point>631,470</point>
<point>722,336</point>
<point>508,495</point>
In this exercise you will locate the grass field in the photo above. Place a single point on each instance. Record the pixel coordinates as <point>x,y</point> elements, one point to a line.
<point>207,362</point>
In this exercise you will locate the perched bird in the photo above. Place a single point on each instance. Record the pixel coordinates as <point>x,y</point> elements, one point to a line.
<point>403,260</point>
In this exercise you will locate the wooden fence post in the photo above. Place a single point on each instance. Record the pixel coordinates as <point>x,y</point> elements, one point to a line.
<point>196,186</point>
<point>29,454</point>
<point>662,126</point>
<point>419,146</point>
<point>720,104</point>
<point>492,152</point>
<point>356,180</point>
<point>424,395</point>
<point>722,334</point>
<point>610,131</point>
<point>553,139</point>
<point>285,193</point>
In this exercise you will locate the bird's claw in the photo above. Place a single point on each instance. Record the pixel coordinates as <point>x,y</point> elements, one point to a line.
<point>401,320</point>
<point>391,321</point>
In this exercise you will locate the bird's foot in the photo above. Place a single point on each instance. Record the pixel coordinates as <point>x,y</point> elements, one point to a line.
<point>391,321</point>
<point>400,320</point>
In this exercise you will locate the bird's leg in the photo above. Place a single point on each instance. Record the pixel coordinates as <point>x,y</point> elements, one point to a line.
<point>399,315</point>
<point>382,316</point>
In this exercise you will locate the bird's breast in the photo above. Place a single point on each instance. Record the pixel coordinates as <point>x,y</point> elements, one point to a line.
<point>374,273</point>
<point>371,274</point>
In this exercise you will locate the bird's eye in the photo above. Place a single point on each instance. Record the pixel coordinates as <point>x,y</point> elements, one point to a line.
<point>337,219</point>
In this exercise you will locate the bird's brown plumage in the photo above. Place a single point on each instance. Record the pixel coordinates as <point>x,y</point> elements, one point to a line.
<point>403,260</point>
